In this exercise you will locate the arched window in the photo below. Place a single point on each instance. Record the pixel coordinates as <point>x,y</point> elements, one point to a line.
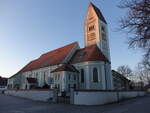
<point>82,75</point>
<point>95,75</point>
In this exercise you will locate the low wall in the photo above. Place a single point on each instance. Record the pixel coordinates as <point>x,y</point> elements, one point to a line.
<point>39,95</point>
<point>2,90</point>
<point>85,97</point>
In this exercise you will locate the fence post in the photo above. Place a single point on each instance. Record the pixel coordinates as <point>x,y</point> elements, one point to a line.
<point>55,95</point>
<point>118,96</point>
<point>71,96</point>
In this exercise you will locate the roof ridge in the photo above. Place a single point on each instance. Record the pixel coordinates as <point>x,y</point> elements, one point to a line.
<point>58,48</point>
<point>92,53</point>
<point>65,67</point>
<point>44,60</point>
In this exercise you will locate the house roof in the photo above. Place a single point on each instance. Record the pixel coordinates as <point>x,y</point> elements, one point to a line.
<point>99,14</point>
<point>115,73</point>
<point>54,57</point>
<point>57,56</point>
<point>3,81</point>
<point>31,80</point>
<point>65,67</point>
<point>90,53</point>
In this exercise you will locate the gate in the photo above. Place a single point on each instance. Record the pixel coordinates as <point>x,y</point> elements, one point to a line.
<point>62,97</point>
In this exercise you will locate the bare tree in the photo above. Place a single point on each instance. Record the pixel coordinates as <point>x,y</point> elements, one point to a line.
<point>125,70</point>
<point>143,74</point>
<point>137,24</point>
<point>145,64</point>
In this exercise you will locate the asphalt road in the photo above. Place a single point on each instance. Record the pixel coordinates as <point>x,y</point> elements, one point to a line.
<point>10,104</point>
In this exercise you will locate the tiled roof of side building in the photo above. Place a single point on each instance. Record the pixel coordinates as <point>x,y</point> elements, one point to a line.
<point>90,53</point>
<point>117,74</point>
<point>99,14</point>
<point>65,67</point>
<point>53,57</point>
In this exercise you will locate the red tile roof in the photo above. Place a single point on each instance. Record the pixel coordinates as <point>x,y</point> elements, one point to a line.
<point>57,56</point>
<point>54,57</point>
<point>31,80</point>
<point>90,53</point>
<point>65,67</point>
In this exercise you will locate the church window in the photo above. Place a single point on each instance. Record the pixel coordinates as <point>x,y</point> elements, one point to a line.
<point>74,86</point>
<point>69,76</point>
<point>58,86</point>
<point>82,75</point>
<point>68,87</point>
<point>36,75</point>
<point>95,75</point>
<point>55,85</point>
<point>91,28</point>
<point>103,28</point>
<point>58,77</point>
<point>103,36</point>
<point>44,77</point>
<point>74,77</point>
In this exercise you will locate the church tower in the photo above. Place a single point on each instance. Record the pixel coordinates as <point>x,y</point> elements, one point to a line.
<point>96,30</point>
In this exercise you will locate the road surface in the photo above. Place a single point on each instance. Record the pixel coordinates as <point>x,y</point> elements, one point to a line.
<point>10,104</point>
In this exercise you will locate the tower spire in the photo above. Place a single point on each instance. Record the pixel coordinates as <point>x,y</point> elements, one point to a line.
<point>95,30</point>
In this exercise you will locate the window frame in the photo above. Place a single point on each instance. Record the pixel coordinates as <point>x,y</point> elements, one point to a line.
<point>91,28</point>
<point>82,76</point>
<point>95,80</point>
<point>69,77</point>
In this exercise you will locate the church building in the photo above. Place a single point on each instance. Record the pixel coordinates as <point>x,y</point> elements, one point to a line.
<point>71,66</point>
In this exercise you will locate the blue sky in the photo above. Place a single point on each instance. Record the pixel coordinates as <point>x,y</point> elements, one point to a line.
<point>29,28</point>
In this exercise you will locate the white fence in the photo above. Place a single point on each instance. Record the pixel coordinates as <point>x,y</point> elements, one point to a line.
<point>39,95</point>
<point>89,97</point>
<point>78,97</point>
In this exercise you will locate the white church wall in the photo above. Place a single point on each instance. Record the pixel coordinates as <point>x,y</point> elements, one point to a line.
<point>40,77</point>
<point>65,80</point>
<point>103,76</point>
<point>109,81</point>
<point>99,84</point>
<point>88,68</point>
<point>58,80</point>
<point>10,83</point>
<point>71,79</point>
<point>83,66</point>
